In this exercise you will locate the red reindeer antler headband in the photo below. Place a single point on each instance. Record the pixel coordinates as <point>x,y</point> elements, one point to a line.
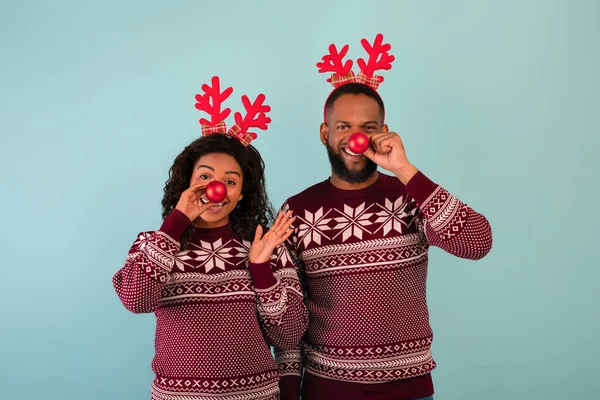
<point>379,59</point>
<point>256,113</point>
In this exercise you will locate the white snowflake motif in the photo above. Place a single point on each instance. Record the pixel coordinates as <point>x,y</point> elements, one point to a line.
<point>213,255</point>
<point>142,240</point>
<point>353,222</point>
<point>313,226</point>
<point>395,215</point>
<point>281,256</point>
<point>294,237</point>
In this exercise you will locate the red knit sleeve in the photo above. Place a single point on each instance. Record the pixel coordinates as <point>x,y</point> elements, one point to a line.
<point>281,307</point>
<point>448,223</point>
<point>150,260</point>
<point>290,360</point>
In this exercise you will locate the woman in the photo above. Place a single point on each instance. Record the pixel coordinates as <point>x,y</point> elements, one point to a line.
<point>222,291</point>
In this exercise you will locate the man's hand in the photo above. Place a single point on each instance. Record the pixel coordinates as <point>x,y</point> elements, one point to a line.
<point>387,151</point>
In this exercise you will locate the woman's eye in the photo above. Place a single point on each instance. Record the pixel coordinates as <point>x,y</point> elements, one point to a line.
<point>230,182</point>
<point>204,177</point>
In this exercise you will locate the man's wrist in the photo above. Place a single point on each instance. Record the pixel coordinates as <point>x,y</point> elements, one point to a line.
<point>406,173</point>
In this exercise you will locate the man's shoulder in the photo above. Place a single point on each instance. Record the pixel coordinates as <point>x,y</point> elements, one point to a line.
<point>321,192</point>
<point>308,195</point>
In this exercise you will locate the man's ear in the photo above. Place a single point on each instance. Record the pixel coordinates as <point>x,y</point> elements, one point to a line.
<point>324,129</point>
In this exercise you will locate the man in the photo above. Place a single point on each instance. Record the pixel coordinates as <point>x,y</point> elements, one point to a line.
<point>361,245</point>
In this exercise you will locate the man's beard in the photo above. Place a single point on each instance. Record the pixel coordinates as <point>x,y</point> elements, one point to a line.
<point>339,168</point>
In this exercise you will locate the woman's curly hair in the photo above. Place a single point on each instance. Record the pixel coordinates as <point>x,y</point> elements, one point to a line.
<point>252,210</point>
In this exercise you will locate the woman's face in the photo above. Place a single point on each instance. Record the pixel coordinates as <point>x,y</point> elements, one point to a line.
<point>224,168</point>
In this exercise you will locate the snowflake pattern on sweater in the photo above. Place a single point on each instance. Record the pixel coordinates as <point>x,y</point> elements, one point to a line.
<point>216,312</point>
<point>362,257</point>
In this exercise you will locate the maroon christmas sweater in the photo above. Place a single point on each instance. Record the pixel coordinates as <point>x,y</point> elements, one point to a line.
<point>216,313</point>
<point>362,257</point>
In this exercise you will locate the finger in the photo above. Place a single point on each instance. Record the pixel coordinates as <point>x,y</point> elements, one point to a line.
<point>276,222</point>
<point>285,221</point>
<point>197,185</point>
<point>283,232</point>
<point>274,233</point>
<point>375,135</point>
<point>373,138</point>
<point>281,218</point>
<point>196,190</point>
<point>203,207</point>
<point>377,140</point>
<point>383,145</point>
<point>201,196</point>
<point>370,154</point>
<point>287,215</point>
<point>286,236</point>
<point>286,225</point>
<point>390,138</point>
<point>278,219</point>
<point>258,234</point>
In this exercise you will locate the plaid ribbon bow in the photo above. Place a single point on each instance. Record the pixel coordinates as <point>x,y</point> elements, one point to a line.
<point>339,80</point>
<point>219,127</point>
<point>372,81</point>
<point>236,132</point>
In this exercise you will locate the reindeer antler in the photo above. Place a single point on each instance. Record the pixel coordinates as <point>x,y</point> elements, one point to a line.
<point>334,61</point>
<point>256,117</point>
<point>203,103</point>
<point>379,58</point>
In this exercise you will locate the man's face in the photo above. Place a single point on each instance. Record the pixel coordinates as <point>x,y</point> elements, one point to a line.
<point>350,113</point>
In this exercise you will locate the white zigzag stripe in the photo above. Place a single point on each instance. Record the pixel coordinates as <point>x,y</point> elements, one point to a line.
<point>200,295</point>
<point>365,268</point>
<point>375,244</point>
<point>269,392</point>
<point>374,376</point>
<point>167,238</point>
<point>359,267</point>
<point>159,257</point>
<point>180,277</point>
<point>288,357</point>
<point>432,195</point>
<point>286,273</point>
<point>279,306</point>
<point>446,214</point>
<point>391,363</point>
<point>249,298</point>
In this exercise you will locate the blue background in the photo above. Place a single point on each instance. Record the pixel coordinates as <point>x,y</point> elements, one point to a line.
<point>495,100</point>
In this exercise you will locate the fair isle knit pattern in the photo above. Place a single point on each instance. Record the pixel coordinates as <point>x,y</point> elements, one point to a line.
<point>216,313</point>
<point>362,256</point>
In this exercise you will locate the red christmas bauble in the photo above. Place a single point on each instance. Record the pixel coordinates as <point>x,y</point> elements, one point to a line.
<point>358,143</point>
<point>216,191</point>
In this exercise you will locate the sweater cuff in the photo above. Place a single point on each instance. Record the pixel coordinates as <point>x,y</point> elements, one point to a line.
<point>420,188</point>
<point>175,224</point>
<point>262,275</point>
<point>289,386</point>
